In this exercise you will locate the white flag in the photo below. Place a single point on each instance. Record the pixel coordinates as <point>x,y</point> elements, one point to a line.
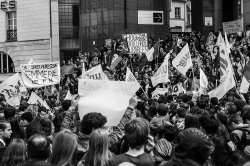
<point>95,73</point>
<point>35,99</point>
<point>203,82</point>
<point>227,44</point>
<point>220,40</point>
<point>244,86</point>
<point>182,62</point>
<point>131,78</point>
<point>12,88</point>
<point>161,76</point>
<point>68,96</point>
<point>227,79</point>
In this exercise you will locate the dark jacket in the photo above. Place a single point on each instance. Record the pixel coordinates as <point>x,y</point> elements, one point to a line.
<point>2,150</point>
<point>37,163</point>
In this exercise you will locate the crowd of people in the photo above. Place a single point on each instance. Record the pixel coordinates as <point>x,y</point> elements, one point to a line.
<point>172,130</point>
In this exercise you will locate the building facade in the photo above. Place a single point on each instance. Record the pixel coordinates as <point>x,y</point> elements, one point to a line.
<point>28,29</point>
<point>180,16</point>
<point>107,19</point>
<point>217,12</point>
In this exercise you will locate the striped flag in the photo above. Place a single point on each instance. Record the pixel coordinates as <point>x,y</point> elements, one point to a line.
<point>149,56</point>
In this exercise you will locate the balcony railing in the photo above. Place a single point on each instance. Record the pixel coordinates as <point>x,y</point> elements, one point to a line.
<point>12,35</point>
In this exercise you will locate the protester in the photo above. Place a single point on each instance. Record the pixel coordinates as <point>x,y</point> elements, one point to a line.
<point>5,135</point>
<point>15,154</point>
<point>64,149</point>
<point>191,106</point>
<point>38,149</point>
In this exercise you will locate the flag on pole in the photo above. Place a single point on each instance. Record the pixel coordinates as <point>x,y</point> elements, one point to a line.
<point>246,71</point>
<point>68,96</point>
<point>131,78</point>
<point>203,82</point>
<point>12,89</point>
<point>150,55</point>
<point>161,76</point>
<point>182,62</point>
<point>35,99</point>
<point>244,86</point>
<point>227,81</point>
<point>115,61</point>
<point>220,40</point>
<point>227,44</point>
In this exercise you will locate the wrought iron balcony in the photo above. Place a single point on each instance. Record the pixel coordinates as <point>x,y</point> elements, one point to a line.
<point>12,35</point>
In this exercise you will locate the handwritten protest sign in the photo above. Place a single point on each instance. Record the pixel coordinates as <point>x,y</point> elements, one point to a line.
<point>40,74</point>
<point>137,43</point>
<point>110,98</point>
<point>232,26</point>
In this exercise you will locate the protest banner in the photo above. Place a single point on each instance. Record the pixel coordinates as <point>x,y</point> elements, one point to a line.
<point>176,89</point>
<point>35,99</point>
<point>40,74</point>
<point>95,73</point>
<point>159,91</point>
<point>232,26</point>
<point>182,62</point>
<point>161,76</point>
<point>12,88</point>
<point>67,69</point>
<point>110,98</point>
<point>137,43</point>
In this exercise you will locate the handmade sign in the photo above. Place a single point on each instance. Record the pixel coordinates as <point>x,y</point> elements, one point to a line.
<point>40,74</point>
<point>137,43</point>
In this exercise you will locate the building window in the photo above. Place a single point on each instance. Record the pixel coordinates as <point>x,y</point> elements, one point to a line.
<point>6,63</point>
<point>177,12</point>
<point>68,15</point>
<point>11,26</point>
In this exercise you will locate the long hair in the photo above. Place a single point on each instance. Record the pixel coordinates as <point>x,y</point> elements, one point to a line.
<point>64,149</point>
<point>97,154</point>
<point>15,154</point>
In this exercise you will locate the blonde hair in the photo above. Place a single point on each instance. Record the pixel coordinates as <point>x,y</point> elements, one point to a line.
<point>64,149</point>
<point>97,154</point>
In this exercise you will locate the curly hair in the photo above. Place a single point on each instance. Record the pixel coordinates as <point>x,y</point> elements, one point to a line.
<point>92,121</point>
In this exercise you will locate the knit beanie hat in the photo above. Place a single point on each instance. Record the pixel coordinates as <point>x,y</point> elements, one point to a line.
<point>27,116</point>
<point>164,148</point>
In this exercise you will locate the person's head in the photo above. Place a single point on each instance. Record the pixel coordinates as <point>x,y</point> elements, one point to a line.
<point>157,127</point>
<point>92,121</point>
<point>191,121</point>
<point>23,106</point>
<point>246,114</point>
<point>214,101</point>
<point>15,153</point>
<point>231,108</point>
<point>201,104</point>
<point>9,112</point>
<point>136,133</point>
<point>209,124</point>
<point>66,104</point>
<point>43,112</point>
<point>162,109</point>
<point>194,145</point>
<point>181,112</point>
<point>25,119</point>
<point>5,130</point>
<point>236,159</point>
<point>234,121</point>
<point>64,148</point>
<point>97,153</point>
<point>239,105</point>
<point>38,148</point>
